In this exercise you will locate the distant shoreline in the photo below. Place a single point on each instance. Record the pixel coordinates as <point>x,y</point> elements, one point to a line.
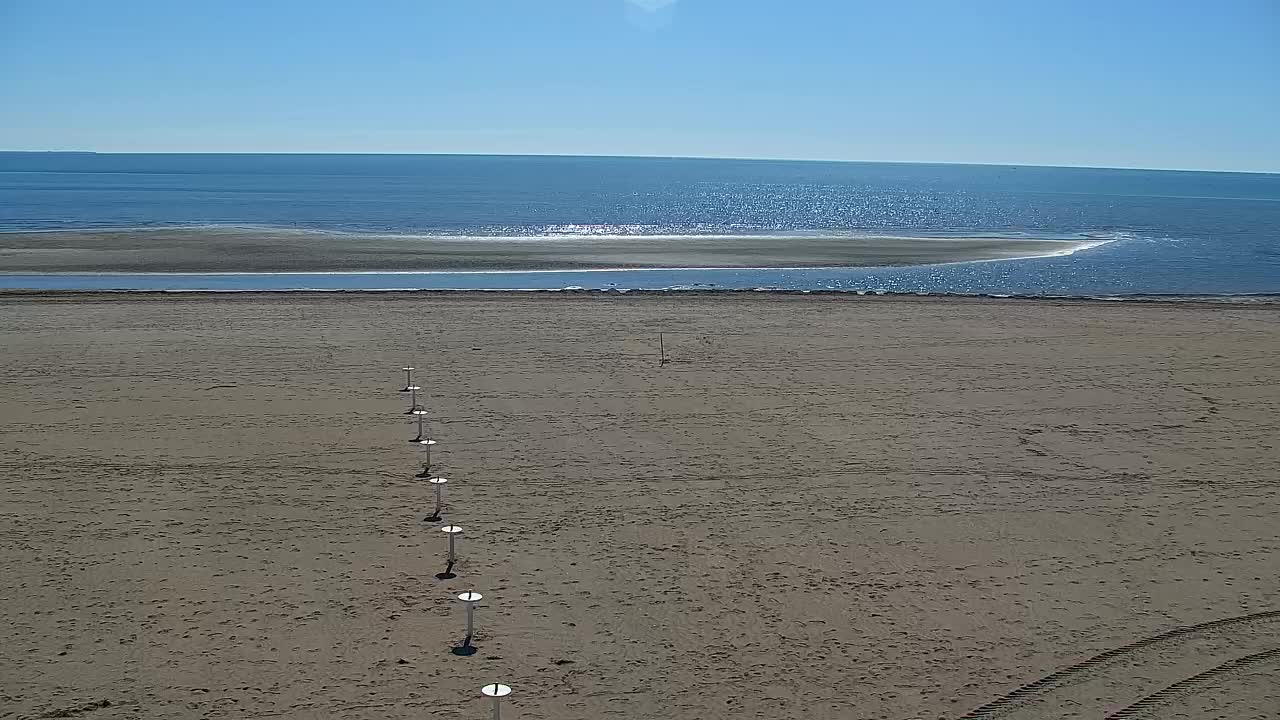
<point>1261,301</point>
<point>711,158</point>
<point>283,250</point>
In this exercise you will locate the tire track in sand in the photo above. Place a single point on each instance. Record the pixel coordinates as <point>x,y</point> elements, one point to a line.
<point>1193,683</point>
<point>1037,693</point>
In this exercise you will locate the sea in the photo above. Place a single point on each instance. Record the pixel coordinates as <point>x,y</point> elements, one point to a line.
<point>1158,233</point>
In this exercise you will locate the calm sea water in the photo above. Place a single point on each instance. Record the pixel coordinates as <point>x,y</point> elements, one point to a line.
<point>1173,232</point>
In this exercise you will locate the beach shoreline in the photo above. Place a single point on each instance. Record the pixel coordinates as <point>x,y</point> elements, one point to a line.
<point>232,249</point>
<point>822,505</point>
<point>1261,300</point>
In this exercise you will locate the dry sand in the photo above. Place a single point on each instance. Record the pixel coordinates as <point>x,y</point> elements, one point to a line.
<point>822,508</point>
<point>274,250</point>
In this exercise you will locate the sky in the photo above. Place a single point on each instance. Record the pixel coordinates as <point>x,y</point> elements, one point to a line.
<point>1109,83</point>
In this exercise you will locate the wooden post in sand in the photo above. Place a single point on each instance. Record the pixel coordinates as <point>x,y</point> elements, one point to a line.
<point>452,531</point>
<point>469,599</point>
<point>662,351</point>
<point>408,378</point>
<point>497,691</point>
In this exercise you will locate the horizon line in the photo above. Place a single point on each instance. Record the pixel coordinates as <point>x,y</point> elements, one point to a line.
<point>642,157</point>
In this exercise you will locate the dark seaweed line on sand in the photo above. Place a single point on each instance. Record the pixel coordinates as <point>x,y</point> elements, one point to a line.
<point>1006,702</point>
<point>1181,687</point>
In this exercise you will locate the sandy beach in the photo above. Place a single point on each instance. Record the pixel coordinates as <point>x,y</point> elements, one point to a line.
<point>230,249</point>
<point>822,507</point>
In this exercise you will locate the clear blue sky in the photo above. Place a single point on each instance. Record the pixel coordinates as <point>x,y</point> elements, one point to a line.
<point>1126,83</point>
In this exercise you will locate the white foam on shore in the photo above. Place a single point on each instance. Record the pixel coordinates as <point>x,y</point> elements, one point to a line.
<point>1055,253</point>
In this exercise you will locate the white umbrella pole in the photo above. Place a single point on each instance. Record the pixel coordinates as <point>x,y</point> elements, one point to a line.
<point>421,435</point>
<point>413,399</point>
<point>497,691</point>
<point>453,531</point>
<point>439,483</point>
<point>470,598</point>
<point>425,445</point>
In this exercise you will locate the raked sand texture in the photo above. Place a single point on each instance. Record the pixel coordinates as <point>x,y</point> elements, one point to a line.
<point>820,508</point>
